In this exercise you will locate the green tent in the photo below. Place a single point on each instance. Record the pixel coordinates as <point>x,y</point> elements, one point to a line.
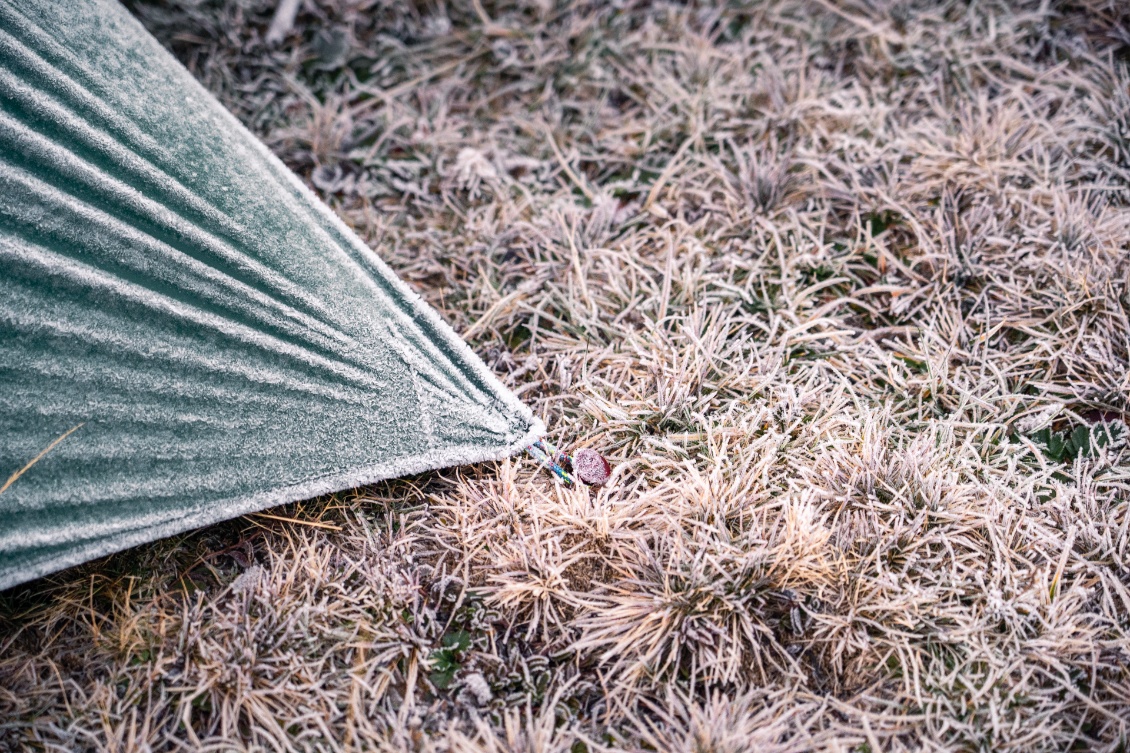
<point>186,333</point>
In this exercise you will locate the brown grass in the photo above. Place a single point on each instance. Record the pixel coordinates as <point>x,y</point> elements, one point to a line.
<point>841,287</point>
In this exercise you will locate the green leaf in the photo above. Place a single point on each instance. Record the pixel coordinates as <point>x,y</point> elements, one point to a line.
<point>460,640</point>
<point>442,679</point>
<point>1080,442</point>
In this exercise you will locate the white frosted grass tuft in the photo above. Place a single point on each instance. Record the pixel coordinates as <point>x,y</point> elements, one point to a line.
<point>476,685</point>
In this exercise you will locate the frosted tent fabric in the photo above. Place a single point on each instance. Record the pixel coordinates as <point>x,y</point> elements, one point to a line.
<point>225,341</point>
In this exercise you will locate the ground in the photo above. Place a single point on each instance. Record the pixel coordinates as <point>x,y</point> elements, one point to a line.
<point>840,287</point>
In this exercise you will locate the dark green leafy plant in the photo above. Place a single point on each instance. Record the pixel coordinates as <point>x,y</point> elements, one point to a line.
<point>1082,441</point>
<point>447,661</point>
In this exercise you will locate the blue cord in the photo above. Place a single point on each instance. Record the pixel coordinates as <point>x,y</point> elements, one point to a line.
<point>548,456</point>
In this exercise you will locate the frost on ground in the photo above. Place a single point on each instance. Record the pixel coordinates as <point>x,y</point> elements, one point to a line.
<point>840,287</point>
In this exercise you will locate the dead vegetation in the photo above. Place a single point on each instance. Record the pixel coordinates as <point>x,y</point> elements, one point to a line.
<point>841,287</point>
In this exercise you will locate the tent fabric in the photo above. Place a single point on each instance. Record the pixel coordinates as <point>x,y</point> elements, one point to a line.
<point>222,342</point>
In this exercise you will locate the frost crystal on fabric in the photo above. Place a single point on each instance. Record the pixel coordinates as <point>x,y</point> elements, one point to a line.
<point>225,342</point>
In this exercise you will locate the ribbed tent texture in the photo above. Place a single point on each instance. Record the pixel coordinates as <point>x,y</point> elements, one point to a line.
<point>221,340</point>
